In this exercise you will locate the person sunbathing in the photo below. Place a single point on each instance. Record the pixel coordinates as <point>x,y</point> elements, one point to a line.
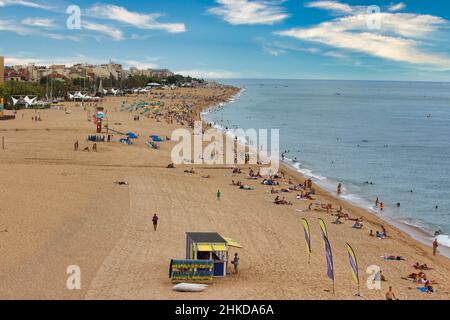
<point>170,166</point>
<point>342,215</point>
<point>429,287</point>
<point>283,201</point>
<point>357,225</point>
<point>379,235</point>
<point>394,258</point>
<point>206,177</point>
<point>191,171</point>
<point>121,183</point>
<point>273,191</point>
<point>337,221</point>
<point>421,266</point>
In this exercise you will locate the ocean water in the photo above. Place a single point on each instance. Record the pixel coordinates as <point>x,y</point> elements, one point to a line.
<point>379,139</point>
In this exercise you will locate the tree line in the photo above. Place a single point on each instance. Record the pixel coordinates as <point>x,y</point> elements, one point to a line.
<point>59,88</point>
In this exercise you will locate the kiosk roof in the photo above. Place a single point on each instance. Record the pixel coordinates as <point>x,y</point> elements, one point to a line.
<point>206,237</point>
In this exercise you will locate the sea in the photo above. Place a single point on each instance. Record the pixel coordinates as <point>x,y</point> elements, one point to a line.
<point>389,140</point>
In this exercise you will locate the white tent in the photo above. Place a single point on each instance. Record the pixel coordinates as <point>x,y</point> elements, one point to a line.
<point>153,84</point>
<point>29,101</point>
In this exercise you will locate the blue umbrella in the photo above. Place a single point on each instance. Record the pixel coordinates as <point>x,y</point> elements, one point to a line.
<point>131,135</point>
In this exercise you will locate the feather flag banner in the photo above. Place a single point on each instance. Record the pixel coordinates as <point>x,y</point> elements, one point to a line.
<point>323,229</point>
<point>330,267</point>
<point>307,238</point>
<point>353,265</point>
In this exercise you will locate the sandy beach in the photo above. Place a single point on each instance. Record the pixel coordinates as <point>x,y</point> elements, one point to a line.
<point>60,207</point>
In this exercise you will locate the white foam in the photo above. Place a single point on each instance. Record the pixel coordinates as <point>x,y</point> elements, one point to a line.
<point>443,240</point>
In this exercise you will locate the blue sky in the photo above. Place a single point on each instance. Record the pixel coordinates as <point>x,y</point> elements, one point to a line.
<point>292,39</point>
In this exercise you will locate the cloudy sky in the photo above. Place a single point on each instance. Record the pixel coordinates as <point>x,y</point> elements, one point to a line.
<point>376,40</point>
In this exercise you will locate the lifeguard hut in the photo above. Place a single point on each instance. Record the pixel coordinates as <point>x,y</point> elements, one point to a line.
<point>99,117</point>
<point>210,246</point>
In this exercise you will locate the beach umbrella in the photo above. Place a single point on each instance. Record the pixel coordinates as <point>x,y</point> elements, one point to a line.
<point>131,135</point>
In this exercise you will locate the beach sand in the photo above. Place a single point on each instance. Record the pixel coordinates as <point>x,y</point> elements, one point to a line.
<point>62,208</point>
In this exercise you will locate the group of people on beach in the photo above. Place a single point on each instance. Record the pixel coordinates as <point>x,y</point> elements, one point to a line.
<point>379,204</point>
<point>379,234</point>
<point>76,147</point>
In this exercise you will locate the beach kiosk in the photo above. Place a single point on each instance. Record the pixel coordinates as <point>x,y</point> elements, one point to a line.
<point>208,246</point>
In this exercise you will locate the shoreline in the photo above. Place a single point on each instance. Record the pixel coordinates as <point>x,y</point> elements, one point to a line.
<point>415,232</point>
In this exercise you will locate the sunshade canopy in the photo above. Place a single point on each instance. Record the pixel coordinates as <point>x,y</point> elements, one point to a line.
<point>131,135</point>
<point>232,243</point>
<point>206,237</point>
<point>206,247</point>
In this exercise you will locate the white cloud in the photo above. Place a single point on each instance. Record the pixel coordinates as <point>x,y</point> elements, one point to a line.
<point>273,51</point>
<point>250,12</point>
<point>396,7</point>
<point>334,54</point>
<point>13,61</point>
<point>146,64</point>
<point>399,39</point>
<point>217,74</point>
<point>24,3</point>
<point>277,48</point>
<point>12,26</point>
<point>47,61</point>
<point>331,6</point>
<point>138,20</point>
<point>37,22</point>
<point>114,33</point>
<point>23,30</point>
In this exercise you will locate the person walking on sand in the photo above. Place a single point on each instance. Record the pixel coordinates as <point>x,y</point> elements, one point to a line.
<point>390,295</point>
<point>235,263</point>
<point>155,221</point>
<point>75,146</point>
<point>435,246</point>
<point>339,189</point>
<point>218,195</point>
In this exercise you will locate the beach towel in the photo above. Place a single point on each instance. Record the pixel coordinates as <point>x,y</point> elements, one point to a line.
<point>125,141</point>
<point>152,145</point>
<point>423,290</point>
<point>392,258</point>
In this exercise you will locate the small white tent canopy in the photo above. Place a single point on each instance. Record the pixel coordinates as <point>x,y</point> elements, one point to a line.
<point>153,84</point>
